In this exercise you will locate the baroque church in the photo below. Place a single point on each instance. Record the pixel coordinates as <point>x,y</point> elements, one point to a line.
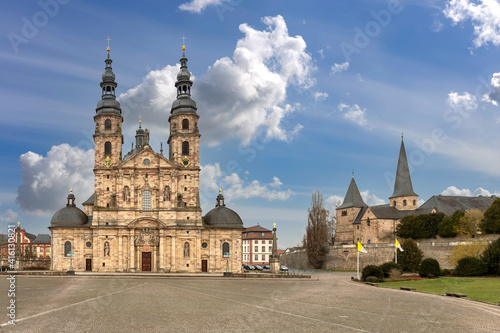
<point>145,213</point>
<point>356,221</point>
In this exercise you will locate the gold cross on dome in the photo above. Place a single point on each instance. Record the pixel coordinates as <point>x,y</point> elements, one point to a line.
<point>108,39</point>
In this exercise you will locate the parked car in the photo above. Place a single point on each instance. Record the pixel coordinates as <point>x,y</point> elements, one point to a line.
<point>283,268</point>
<point>266,267</point>
<point>258,267</point>
<point>251,267</point>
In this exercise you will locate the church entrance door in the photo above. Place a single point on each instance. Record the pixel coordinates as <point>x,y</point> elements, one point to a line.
<point>204,264</point>
<point>88,265</point>
<point>146,261</point>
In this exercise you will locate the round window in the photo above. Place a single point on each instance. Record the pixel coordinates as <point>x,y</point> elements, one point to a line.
<point>204,245</point>
<point>88,244</point>
<point>146,161</point>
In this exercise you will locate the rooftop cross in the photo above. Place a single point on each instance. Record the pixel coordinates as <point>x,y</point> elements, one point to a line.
<point>108,39</point>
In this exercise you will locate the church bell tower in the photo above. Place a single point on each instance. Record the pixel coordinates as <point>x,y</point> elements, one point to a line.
<point>184,139</point>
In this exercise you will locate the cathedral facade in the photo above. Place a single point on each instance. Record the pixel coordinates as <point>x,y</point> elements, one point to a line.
<point>145,213</point>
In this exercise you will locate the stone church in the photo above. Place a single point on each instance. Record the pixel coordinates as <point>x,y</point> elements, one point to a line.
<point>145,213</point>
<point>356,221</point>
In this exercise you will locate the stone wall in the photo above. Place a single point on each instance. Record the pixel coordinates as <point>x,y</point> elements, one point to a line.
<point>344,257</point>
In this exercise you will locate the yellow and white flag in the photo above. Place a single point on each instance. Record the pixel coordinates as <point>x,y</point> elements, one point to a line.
<point>398,246</point>
<point>361,248</point>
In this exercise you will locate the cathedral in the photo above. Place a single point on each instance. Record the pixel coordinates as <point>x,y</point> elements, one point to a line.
<point>145,213</point>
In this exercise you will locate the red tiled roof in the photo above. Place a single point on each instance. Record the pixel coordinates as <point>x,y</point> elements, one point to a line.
<point>257,228</point>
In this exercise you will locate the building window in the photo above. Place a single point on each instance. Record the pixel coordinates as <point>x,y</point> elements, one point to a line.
<point>67,248</point>
<point>358,227</point>
<point>263,257</point>
<point>369,241</point>
<point>225,248</point>
<point>263,249</point>
<point>414,202</point>
<point>404,202</point>
<point>270,249</point>
<point>394,203</point>
<point>344,213</point>
<point>146,200</point>
<point>368,222</point>
<point>270,242</point>
<point>107,148</point>
<point>185,124</point>
<point>204,245</point>
<point>256,249</point>
<point>256,242</point>
<point>185,148</point>
<point>262,234</point>
<point>107,124</point>
<point>256,258</point>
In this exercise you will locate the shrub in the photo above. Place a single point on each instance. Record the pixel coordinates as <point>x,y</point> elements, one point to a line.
<point>411,258</point>
<point>429,267</point>
<point>449,225</point>
<point>372,270</point>
<point>419,226</point>
<point>470,266</point>
<point>445,272</point>
<point>491,221</point>
<point>372,279</point>
<point>472,249</point>
<point>388,266</point>
<point>395,273</point>
<point>491,257</point>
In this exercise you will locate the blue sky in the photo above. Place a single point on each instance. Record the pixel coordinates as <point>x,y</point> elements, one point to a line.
<point>292,96</point>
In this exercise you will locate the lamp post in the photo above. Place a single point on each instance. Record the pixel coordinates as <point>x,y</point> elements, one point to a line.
<point>227,272</point>
<point>71,271</point>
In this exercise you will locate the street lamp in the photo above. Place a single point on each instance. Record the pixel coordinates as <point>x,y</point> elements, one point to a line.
<point>71,271</point>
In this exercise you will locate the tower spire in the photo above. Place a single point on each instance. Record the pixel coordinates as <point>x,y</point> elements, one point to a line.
<point>352,197</point>
<point>402,184</point>
<point>183,103</point>
<point>108,102</point>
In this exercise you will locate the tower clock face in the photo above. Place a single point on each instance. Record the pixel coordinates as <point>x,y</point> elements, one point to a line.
<point>185,161</point>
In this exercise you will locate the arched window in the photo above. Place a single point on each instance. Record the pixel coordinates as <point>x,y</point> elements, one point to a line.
<point>185,148</point>
<point>107,124</point>
<point>146,200</point>
<point>404,202</point>
<point>107,148</point>
<point>67,248</point>
<point>185,124</point>
<point>414,202</point>
<point>225,249</point>
<point>394,203</point>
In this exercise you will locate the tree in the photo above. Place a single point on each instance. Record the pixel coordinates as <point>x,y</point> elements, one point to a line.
<point>419,226</point>
<point>491,221</point>
<point>491,257</point>
<point>469,223</point>
<point>473,249</point>
<point>411,257</point>
<point>447,227</point>
<point>317,231</point>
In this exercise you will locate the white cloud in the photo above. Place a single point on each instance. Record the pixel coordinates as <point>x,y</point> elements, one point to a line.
<point>454,191</point>
<point>360,78</point>
<point>354,113</point>
<point>319,96</point>
<point>332,202</point>
<point>239,97</point>
<point>46,181</point>
<point>338,68</point>
<point>371,199</point>
<point>436,26</point>
<point>234,187</point>
<point>9,216</point>
<point>494,95</point>
<point>321,53</point>
<point>465,101</point>
<point>197,6</point>
<point>485,17</point>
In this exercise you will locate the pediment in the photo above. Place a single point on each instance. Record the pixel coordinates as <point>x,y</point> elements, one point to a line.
<point>147,158</point>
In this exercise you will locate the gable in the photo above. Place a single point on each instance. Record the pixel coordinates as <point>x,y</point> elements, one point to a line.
<point>147,158</point>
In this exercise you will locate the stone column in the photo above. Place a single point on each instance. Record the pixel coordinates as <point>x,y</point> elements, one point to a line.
<point>120,253</point>
<point>132,254</point>
<point>161,255</point>
<point>172,254</point>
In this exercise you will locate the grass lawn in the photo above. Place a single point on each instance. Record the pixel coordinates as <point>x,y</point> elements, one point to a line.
<point>487,290</point>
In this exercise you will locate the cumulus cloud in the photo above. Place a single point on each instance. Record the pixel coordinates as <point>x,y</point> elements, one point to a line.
<point>8,216</point>
<point>332,202</point>
<point>494,96</point>
<point>371,199</point>
<point>354,113</point>
<point>454,191</point>
<point>240,97</point>
<point>319,96</point>
<point>46,180</point>
<point>338,68</point>
<point>234,187</point>
<point>466,101</point>
<point>197,6</point>
<point>484,15</point>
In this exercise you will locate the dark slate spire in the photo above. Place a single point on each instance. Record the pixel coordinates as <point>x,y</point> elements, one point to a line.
<point>402,185</point>
<point>183,103</point>
<point>352,197</point>
<point>108,102</point>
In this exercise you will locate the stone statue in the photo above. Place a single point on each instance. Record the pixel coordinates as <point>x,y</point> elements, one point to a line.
<point>166,194</point>
<point>106,249</point>
<point>186,250</point>
<point>126,194</point>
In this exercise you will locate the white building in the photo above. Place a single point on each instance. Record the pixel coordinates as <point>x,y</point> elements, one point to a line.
<point>257,243</point>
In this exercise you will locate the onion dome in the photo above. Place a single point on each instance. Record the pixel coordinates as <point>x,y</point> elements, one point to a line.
<point>183,103</point>
<point>108,102</point>
<point>69,216</point>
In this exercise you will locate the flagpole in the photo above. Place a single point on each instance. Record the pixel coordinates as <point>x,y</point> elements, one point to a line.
<point>358,267</point>
<point>396,253</point>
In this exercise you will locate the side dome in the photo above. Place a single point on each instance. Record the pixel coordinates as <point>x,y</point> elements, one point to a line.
<point>222,217</point>
<point>69,216</point>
